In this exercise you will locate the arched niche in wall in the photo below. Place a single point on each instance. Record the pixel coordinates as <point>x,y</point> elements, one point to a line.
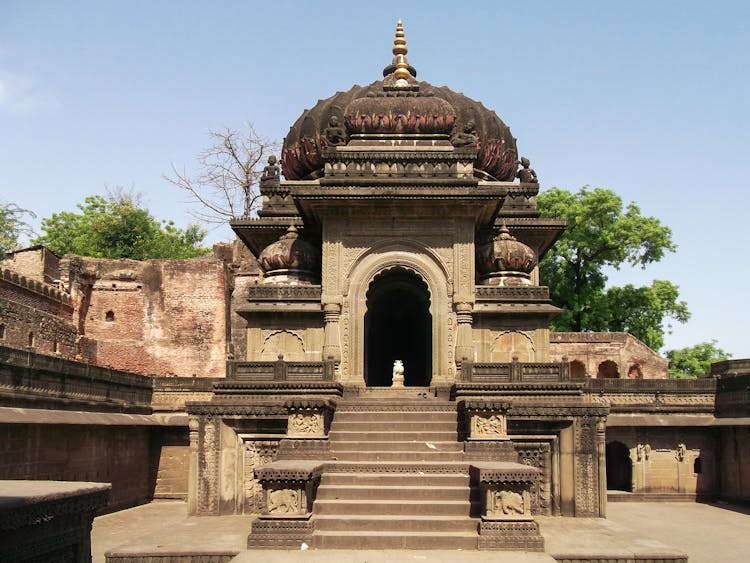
<point>577,369</point>
<point>607,370</point>
<point>283,342</point>
<point>510,344</point>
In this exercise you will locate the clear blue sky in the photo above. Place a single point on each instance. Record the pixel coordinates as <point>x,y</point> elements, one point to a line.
<point>647,98</point>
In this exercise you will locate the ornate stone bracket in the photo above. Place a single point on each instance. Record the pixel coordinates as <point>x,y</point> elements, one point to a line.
<point>289,489</point>
<point>505,493</point>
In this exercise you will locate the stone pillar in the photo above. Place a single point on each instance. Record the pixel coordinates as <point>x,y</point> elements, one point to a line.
<point>464,342</point>
<point>331,333</point>
<point>601,450</point>
<point>289,489</point>
<point>505,494</point>
<point>193,424</point>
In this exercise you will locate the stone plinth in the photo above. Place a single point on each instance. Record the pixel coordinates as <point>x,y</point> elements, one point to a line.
<point>289,489</point>
<point>48,520</point>
<point>505,494</point>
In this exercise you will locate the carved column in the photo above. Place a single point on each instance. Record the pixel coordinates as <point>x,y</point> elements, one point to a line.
<point>601,450</point>
<point>193,424</point>
<point>331,333</point>
<point>464,343</point>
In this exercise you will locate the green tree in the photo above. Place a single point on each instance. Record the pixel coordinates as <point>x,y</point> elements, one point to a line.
<point>12,226</point>
<point>694,361</point>
<point>602,233</point>
<point>118,227</point>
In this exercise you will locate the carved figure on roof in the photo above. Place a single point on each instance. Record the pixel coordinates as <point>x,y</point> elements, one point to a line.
<point>334,133</point>
<point>271,171</point>
<point>526,175</point>
<point>467,137</point>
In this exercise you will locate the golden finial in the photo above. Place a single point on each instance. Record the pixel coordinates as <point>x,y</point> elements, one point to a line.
<point>399,53</point>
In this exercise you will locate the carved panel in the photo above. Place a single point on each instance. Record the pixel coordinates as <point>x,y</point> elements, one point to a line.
<point>256,453</point>
<point>539,455</point>
<point>208,477</point>
<point>310,424</point>
<point>586,468</point>
<point>489,426</point>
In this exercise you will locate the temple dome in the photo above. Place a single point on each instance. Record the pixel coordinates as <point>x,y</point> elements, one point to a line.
<point>399,104</point>
<point>289,260</point>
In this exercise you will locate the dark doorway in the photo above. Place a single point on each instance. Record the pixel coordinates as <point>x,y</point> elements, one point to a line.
<point>619,467</point>
<point>398,326</point>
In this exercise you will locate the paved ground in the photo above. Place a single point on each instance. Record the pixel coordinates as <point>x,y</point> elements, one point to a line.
<point>708,533</point>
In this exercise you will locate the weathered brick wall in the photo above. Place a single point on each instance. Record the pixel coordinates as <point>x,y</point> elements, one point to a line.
<point>588,351</point>
<point>161,317</point>
<point>35,315</point>
<point>72,452</point>
<point>38,263</point>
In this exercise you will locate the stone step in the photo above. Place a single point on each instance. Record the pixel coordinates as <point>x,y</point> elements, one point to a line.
<point>394,507</point>
<point>390,455</point>
<point>393,416</point>
<point>396,446</point>
<point>396,479</point>
<point>397,492</point>
<point>393,436</point>
<point>394,540</point>
<point>369,523</point>
<point>393,426</point>
<point>398,467</point>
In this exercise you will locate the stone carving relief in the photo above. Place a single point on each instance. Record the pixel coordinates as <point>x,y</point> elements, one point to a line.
<point>300,424</point>
<point>586,461</point>
<point>507,503</point>
<point>256,453</point>
<point>539,455</point>
<point>493,427</point>
<point>284,501</point>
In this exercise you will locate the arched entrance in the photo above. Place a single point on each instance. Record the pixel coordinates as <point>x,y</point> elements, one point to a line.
<point>619,467</point>
<point>398,325</point>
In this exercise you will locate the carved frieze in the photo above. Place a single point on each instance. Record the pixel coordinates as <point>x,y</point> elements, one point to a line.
<point>305,425</point>
<point>489,427</point>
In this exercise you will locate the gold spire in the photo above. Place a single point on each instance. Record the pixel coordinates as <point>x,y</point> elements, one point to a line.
<point>399,53</point>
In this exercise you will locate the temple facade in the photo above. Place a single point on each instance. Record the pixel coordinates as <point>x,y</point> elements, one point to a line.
<point>370,364</point>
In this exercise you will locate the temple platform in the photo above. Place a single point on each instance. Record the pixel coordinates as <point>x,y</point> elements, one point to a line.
<point>633,532</point>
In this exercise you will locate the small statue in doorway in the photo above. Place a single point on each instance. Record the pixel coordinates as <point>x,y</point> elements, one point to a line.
<point>398,373</point>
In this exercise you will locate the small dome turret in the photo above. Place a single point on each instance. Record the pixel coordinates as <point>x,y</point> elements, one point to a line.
<point>290,260</point>
<point>505,260</point>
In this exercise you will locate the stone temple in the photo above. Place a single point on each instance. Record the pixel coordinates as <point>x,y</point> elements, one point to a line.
<point>370,366</point>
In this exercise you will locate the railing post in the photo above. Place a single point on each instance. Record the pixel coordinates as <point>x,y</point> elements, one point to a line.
<point>516,370</point>
<point>279,369</point>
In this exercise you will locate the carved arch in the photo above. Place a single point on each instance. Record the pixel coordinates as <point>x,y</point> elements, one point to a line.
<point>424,264</point>
<point>409,248</point>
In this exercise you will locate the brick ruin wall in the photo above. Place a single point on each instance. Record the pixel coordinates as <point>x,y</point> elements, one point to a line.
<point>35,315</point>
<point>160,317</point>
<point>607,355</point>
<point>73,452</point>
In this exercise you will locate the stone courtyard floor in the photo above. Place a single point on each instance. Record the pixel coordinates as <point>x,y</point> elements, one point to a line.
<point>708,533</point>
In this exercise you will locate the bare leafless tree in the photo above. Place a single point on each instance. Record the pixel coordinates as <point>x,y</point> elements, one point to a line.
<point>226,184</point>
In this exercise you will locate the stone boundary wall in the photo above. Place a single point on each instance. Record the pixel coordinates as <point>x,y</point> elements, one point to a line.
<point>40,381</point>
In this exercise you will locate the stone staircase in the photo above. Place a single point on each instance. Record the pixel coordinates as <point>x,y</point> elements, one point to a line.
<point>398,480</point>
